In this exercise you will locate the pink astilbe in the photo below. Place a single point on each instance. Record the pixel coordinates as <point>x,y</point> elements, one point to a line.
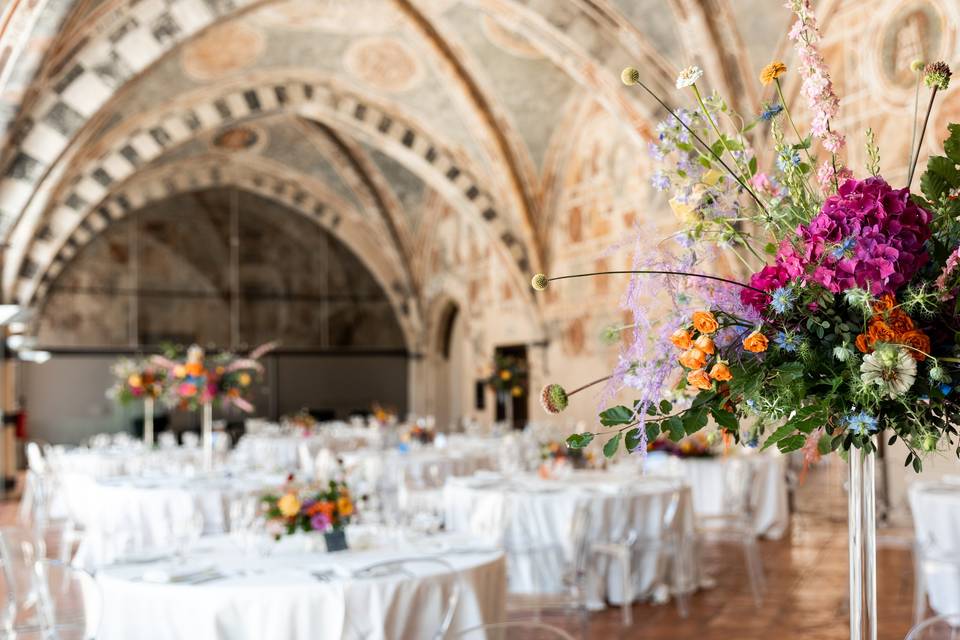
<point>817,88</point>
<point>953,260</point>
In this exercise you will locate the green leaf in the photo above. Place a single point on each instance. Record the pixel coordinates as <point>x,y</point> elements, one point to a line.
<point>753,166</point>
<point>717,148</point>
<point>694,419</point>
<point>805,420</point>
<point>791,443</point>
<point>579,440</point>
<point>632,439</point>
<point>951,146</point>
<point>610,448</point>
<point>725,419</point>
<point>770,249</point>
<point>653,430</point>
<point>674,428</point>
<point>665,406</point>
<point>616,415</point>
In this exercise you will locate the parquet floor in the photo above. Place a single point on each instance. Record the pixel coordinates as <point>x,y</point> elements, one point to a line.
<point>806,575</point>
<point>806,594</point>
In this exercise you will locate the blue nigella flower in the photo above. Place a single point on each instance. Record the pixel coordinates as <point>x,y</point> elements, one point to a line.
<point>945,389</point>
<point>781,300</point>
<point>861,423</point>
<point>787,341</point>
<point>770,112</point>
<point>788,158</point>
<point>660,181</point>
<point>842,249</point>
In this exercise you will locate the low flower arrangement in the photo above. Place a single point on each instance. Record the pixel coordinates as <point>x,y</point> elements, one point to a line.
<point>137,380</point>
<point>300,420</point>
<point>309,509</point>
<point>419,433</point>
<point>554,451</point>
<point>839,318</point>
<point>696,446</point>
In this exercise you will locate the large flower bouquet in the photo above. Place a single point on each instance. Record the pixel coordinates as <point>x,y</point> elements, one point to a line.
<point>309,509</point>
<point>840,315</point>
<point>136,380</point>
<point>509,376</point>
<point>224,378</point>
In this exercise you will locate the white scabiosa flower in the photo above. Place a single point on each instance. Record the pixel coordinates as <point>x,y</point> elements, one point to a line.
<point>689,76</point>
<point>891,368</point>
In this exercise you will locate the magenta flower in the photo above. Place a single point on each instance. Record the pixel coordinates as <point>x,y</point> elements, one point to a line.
<point>320,521</point>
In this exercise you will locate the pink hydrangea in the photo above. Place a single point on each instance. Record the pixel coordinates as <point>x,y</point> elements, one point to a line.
<point>868,235</point>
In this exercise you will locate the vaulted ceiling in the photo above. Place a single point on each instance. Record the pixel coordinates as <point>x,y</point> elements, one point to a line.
<point>361,113</point>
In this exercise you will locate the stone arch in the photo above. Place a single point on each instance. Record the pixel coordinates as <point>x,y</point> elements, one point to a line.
<point>296,192</point>
<point>396,134</point>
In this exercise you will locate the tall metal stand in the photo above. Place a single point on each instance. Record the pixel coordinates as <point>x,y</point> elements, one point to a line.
<point>148,421</point>
<point>862,524</point>
<point>206,436</point>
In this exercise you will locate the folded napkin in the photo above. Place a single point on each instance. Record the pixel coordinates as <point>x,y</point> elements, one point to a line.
<point>178,572</point>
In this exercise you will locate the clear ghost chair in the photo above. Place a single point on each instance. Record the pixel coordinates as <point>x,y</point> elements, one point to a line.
<point>69,603</point>
<point>931,552</point>
<point>402,568</point>
<point>938,628</point>
<point>307,464</point>
<point>735,523</point>
<point>516,630</point>
<point>665,538</point>
<point>573,593</point>
<point>60,528</point>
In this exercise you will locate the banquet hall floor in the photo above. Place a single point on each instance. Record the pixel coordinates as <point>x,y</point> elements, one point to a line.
<point>806,575</point>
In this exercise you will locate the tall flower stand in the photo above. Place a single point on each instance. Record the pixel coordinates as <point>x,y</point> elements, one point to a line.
<point>148,421</point>
<point>862,525</point>
<point>206,436</point>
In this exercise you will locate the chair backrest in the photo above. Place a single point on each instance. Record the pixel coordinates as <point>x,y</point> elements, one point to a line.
<point>738,483</point>
<point>401,567</point>
<point>580,536</point>
<point>68,600</point>
<point>938,628</point>
<point>516,630</point>
<point>35,460</point>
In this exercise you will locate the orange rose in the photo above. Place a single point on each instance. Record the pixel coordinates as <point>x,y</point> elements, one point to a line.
<point>693,358</point>
<point>918,342</point>
<point>756,342</point>
<point>194,369</point>
<point>884,303</point>
<point>698,378</point>
<point>705,344</point>
<point>863,344</point>
<point>900,322</point>
<point>880,331</point>
<point>721,372</point>
<point>681,339</point>
<point>705,322</point>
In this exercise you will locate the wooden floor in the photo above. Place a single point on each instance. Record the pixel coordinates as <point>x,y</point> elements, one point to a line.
<point>806,594</point>
<point>806,573</point>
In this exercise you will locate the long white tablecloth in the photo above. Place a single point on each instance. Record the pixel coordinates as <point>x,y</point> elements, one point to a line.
<point>936,520</point>
<point>277,596</point>
<point>279,450</point>
<point>529,514</point>
<point>706,479</point>
<point>122,515</point>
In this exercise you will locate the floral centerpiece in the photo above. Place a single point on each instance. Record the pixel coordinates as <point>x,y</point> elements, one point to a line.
<point>558,452</point>
<point>698,445</point>
<point>327,510</point>
<point>223,378</point>
<point>137,380</point>
<point>839,318</point>
<point>301,420</point>
<point>509,376</point>
<point>421,433</point>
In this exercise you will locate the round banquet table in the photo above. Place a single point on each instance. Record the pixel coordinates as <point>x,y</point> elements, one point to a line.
<point>428,466</point>
<point>124,514</point>
<point>277,450</point>
<point>705,477</point>
<point>526,513</point>
<point>298,595</point>
<point>126,460</point>
<point>936,521</point>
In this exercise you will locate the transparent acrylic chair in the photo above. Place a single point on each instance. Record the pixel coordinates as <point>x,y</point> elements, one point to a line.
<point>938,628</point>
<point>575,572</point>
<point>734,523</point>
<point>666,539</point>
<point>517,630</point>
<point>402,568</point>
<point>930,554</point>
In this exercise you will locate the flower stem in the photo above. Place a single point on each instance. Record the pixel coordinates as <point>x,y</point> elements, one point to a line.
<point>716,129</point>
<point>923,131</point>
<point>783,103</point>
<point>588,385</point>
<point>916,112</point>
<point>705,146</point>
<point>662,273</point>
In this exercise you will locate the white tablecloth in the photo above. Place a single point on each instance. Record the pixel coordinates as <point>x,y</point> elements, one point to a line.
<point>277,597</point>
<point>705,477</point>
<point>125,514</point>
<point>529,514</point>
<point>936,520</point>
<point>118,461</point>
<point>426,466</point>
<point>279,450</point>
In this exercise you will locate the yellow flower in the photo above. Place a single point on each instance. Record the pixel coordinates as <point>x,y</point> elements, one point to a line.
<point>180,371</point>
<point>344,506</point>
<point>289,505</point>
<point>684,212</point>
<point>505,375</point>
<point>516,392</point>
<point>772,71</point>
<point>244,379</point>
<point>134,381</point>
<point>710,178</point>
